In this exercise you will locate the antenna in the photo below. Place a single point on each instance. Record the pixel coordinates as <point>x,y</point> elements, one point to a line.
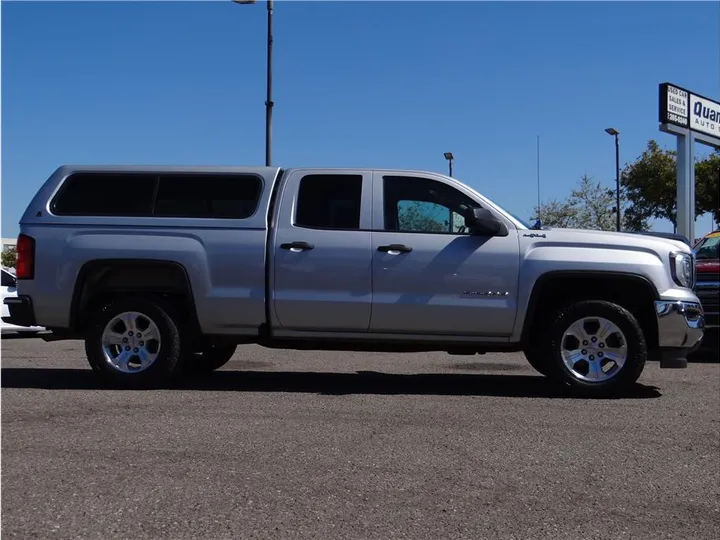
<point>538,171</point>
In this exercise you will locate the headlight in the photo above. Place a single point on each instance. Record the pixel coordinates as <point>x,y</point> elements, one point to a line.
<point>682,268</point>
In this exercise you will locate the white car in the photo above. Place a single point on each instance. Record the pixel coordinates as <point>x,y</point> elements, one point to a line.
<point>9,288</point>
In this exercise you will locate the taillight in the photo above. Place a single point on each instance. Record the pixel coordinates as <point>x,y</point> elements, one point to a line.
<point>25,265</point>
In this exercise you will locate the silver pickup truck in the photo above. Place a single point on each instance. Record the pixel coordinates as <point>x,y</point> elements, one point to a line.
<point>168,269</point>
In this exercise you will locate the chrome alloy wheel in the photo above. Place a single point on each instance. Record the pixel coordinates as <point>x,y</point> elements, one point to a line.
<point>131,342</point>
<point>594,349</point>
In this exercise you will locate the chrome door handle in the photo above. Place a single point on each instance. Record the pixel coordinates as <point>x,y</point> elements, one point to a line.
<point>297,246</point>
<point>395,249</point>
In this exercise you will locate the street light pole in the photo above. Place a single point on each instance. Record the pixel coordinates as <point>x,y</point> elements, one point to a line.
<point>617,181</point>
<point>615,133</point>
<point>268,99</point>
<point>449,156</point>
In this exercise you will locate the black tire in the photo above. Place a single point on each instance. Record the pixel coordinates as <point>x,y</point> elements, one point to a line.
<point>625,376</point>
<point>168,361</point>
<point>212,357</point>
<point>537,352</point>
<point>538,359</point>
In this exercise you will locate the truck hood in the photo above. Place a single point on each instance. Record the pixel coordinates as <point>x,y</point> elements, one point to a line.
<point>610,239</point>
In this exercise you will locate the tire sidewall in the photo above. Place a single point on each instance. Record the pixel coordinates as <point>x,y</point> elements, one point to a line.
<point>634,337</point>
<point>165,365</point>
<point>537,360</point>
<point>210,358</point>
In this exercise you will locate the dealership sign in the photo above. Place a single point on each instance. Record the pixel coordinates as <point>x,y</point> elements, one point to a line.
<point>691,118</point>
<point>682,108</point>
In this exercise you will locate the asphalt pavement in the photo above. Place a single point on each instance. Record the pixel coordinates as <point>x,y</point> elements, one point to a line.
<point>355,446</point>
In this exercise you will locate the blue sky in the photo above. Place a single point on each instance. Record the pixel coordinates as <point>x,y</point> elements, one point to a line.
<point>372,84</point>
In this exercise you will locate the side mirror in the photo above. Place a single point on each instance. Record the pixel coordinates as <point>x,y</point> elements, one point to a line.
<point>481,222</point>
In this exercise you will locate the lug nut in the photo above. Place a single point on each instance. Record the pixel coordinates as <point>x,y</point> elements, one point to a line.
<point>135,349</point>
<point>600,355</point>
<point>130,333</point>
<point>594,339</point>
<point>139,334</point>
<point>127,348</point>
<point>124,340</point>
<point>584,351</point>
<point>142,343</point>
<point>592,357</point>
<point>585,342</point>
<point>602,345</point>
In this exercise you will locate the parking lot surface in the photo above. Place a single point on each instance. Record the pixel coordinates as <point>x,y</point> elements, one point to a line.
<point>346,445</point>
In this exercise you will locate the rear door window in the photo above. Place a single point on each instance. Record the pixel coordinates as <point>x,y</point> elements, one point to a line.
<point>329,201</point>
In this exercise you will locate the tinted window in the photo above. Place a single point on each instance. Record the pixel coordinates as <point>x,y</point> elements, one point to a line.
<point>228,196</point>
<point>329,201</point>
<point>423,216</point>
<point>105,194</point>
<point>708,248</point>
<point>7,279</point>
<point>422,205</point>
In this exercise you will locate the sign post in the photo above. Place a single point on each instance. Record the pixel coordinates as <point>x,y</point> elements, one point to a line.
<point>691,118</point>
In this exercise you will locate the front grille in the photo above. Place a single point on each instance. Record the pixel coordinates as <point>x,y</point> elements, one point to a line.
<point>709,300</point>
<point>707,276</point>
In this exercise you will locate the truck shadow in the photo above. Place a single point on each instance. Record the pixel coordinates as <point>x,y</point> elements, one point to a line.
<point>337,384</point>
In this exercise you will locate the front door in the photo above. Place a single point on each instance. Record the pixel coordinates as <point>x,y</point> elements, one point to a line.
<point>429,275</point>
<point>323,253</point>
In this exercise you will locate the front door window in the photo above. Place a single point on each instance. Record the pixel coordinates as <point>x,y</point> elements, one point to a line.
<point>420,205</point>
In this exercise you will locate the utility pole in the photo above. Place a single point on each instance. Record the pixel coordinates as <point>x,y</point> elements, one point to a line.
<point>268,99</point>
<point>615,133</point>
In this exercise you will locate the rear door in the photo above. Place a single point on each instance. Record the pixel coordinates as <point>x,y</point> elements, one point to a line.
<point>322,251</point>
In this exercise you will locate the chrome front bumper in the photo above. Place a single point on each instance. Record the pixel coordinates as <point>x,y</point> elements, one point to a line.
<point>680,329</point>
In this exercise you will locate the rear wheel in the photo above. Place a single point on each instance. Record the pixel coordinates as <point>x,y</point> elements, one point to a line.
<point>596,347</point>
<point>134,342</point>
<point>213,356</point>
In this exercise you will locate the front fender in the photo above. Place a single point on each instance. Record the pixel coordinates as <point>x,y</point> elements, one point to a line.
<point>545,262</point>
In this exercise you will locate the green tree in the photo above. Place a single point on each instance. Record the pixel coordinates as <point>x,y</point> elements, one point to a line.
<point>650,186</point>
<point>556,214</point>
<point>9,256</point>
<point>423,216</point>
<point>707,185</point>
<point>589,206</point>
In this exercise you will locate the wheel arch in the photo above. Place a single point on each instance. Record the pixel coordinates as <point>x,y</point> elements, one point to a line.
<point>634,292</point>
<point>101,279</point>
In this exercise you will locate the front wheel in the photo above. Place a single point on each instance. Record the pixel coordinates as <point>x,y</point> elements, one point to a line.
<point>596,347</point>
<point>537,360</point>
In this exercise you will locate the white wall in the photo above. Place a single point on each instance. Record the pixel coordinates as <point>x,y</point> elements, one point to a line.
<point>8,242</point>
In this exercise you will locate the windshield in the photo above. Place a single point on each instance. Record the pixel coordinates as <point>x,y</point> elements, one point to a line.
<point>485,202</point>
<point>525,223</point>
<point>708,248</point>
